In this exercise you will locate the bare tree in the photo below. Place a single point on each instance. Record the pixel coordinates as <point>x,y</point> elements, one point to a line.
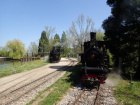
<point>79,31</point>
<point>49,31</point>
<point>33,48</point>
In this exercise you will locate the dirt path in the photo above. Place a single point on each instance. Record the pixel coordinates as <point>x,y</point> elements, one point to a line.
<point>2,57</point>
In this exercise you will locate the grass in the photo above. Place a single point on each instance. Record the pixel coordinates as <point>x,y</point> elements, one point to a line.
<point>127,95</point>
<point>17,68</point>
<point>60,87</point>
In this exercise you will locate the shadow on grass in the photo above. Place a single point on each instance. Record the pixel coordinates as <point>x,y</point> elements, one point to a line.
<point>75,79</point>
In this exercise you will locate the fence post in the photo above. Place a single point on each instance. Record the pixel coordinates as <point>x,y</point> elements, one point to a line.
<point>21,61</point>
<point>120,63</point>
<point>27,57</point>
<point>131,83</point>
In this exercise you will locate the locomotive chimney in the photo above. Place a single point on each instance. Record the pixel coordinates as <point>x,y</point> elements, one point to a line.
<point>92,36</point>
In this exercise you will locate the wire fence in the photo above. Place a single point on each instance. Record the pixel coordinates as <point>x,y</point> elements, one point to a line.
<point>131,81</point>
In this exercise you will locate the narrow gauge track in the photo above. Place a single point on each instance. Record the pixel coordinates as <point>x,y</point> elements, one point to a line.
<point>28,73</point>
<point>14,86</point>
<point>87,97</point>
<point>17,78</point>
<point>13,95</point>
<point>19,83</point>
<point>23,77</point>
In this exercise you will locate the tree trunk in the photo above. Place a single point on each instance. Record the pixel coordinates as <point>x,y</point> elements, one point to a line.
<point>138,69</point>
<point>81,47</point>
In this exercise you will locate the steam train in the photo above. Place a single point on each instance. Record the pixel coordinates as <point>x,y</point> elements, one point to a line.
<point>95,62</point>
<point>54,55</point>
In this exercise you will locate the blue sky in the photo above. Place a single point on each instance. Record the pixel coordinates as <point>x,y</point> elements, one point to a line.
<point>26,19</point>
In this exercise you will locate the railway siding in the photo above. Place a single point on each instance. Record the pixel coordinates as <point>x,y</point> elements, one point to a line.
<point>14,82</point>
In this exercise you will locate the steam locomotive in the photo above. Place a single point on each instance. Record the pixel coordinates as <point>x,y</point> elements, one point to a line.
<point>54,55</point>
<point>95,62</point>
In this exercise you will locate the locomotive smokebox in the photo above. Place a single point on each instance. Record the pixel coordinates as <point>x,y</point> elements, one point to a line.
<point>92,36</point>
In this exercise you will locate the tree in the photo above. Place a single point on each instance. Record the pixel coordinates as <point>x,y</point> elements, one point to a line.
<point>3,52</point>
<point>122,31</point>
<point>33,48</point>
<point>63,38</point>
<point>49,34</point>
<point>99,35</point>
<point>79,31</point>
<point>56,38</point>
<point>56,41</point>
<point>65,46</point>
<point>43,43</point>
<point>16,49</point>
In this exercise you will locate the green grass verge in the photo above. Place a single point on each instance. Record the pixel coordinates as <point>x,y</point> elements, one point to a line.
<point>22,67</point>
<point>61,86</point>
<point>127,95</point>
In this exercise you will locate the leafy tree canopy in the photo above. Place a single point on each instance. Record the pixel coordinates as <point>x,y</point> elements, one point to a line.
<point>56,41</point>
<point>100,35</point>
<point>57,38</point>
<point>65,46</point>
<point>50,36</point>
<point>4,52</point>
<point>43,43</point>
<point>122,31</point>
<point>63,38</point>
<point>16,49</point>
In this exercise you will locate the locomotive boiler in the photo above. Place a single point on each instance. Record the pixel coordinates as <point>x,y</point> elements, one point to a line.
<point>95,61</point>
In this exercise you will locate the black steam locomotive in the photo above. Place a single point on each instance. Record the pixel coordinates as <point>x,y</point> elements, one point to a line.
<point>95,61</point>
<point>54,55</point>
